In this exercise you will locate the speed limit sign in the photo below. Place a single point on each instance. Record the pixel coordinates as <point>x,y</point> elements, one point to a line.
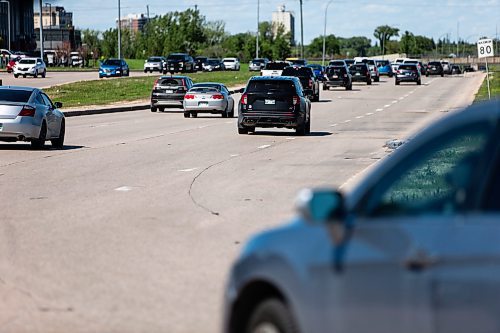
<point>485,48</point>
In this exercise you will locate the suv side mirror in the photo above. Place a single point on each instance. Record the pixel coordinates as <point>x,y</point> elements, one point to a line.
<point>58,105</point>
<point>320,205</point>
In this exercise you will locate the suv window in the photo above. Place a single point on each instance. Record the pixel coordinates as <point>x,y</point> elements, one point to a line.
<point>177,57</point>
<point>256,86</point>
<point>410,67</point>
<point>434,63</point>
<point>359,68</point>
<point>438,180</point>
<point>171,82</point>
<point>298,71</point>
<point>276,65</point>
<point>336,69</point>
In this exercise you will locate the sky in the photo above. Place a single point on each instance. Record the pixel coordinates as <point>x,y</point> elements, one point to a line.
<point>346,18</point>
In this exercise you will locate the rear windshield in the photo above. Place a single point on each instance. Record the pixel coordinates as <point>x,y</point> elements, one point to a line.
<point>276,65</point>
<point>337,63</point>
<point>201,58</point>
<point>336,69</point>
<point>407,66</point>
<point>27,61</point>
<point>435,63</point>
<point>411,62</point>
<point>207,86</point>
<point>318,67</point>
<point>298,62</point>
<point>203,90</point>
<point>285,86</point>
<point>154,59</point>
<point>16,96</point>
<point>171,82</point>
<point>176,57</point>
<point>369,62</point>
<point>383,62</point>
<point>112,62</point>
<point>213,61</point>
<point>297,71</point>
<point>229,60</point>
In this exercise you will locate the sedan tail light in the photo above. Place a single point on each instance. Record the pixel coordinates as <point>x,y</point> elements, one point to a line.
<point>188,96</point>
<point>27,111</point>
<point>310,83</point>
<point>217,96</point>
<point>296,100</point>
<point>244,99</point>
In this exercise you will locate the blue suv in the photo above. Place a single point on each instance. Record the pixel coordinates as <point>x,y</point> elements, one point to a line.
<point>384,67</point>
<point>113,67</point>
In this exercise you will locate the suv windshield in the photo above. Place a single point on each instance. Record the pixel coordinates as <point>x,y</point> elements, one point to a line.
<point>112,62</point>
<point>27,61</point>
<point>435,63</point>
<point>263,86</point>
<point>276,65</point>
<point>213,61</point>
<point>337,63</point>
<point>16,96</point>
<point>298,71</point>
<point>176,57</point>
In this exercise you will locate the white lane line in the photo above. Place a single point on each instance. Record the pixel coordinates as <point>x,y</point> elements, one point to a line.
<point>263,146</point>
<point>407,95</point>
<point>333,125</point>
<point>359,117</point>
<point>123,189</point>
<point>339,97</point>
<point>234,155</point>
<point>347,121</point>
<point>187,170</point>
<point>387,105</point>
<point>394,102</point>
<point>228,122</point>
<point>369,113</point>
<point>401,98</point>
<point>378,110</point>
<point>202,126</point>
<point>290,138</point>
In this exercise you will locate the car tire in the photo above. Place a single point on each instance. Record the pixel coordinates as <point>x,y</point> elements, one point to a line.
<point>308,125</point>
<point>225,113</point>
<point>442,74</point>
<point>36,74</point>
<point>419,82</point>
<point>194,114</point>
<point>231,113</point>
<point>426,74</point>
<point>39,142</point>
<point>242,130</point>
<point>300,130</point>
<point>44,74</point>
<point>369,82</point>
<point>24,76</point>
<point>350,86</point>
<point>325,87</point>
<point>397,82</point>
<point>272,314</point>
<point>377,79</point>
<point>16,75</point>
<point>59,142</point>
<point>187,114</point>
<point>145,71</point>
<point>154,109</point>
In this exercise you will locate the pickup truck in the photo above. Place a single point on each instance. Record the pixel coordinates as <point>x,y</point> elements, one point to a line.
<point>274,68</point>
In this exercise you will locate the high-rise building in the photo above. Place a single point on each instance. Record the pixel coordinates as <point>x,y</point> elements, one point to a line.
<point>286,19</point>
<point>22,35</point>
<point>58,29</point>
<point>133,22</point>
<point>54,17</point>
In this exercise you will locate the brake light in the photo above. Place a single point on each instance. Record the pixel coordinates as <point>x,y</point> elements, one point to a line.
<point>244,99</point>
<point>310,82</point>
<point>188,96</point>
<point>27,111</point>
<point>296,100</point>
<point>217,96</point>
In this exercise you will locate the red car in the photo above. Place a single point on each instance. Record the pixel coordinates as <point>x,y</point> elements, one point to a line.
<point>12,62</point>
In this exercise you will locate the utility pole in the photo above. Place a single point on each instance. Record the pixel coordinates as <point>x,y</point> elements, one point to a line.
<point>324,33</point>
<point>301,32</point>
<point>50,22</point>
<point>147,11</point>
<point>119,31</point>
<point>41,30</point>
<point>458,36</point>
<point>257,39</point>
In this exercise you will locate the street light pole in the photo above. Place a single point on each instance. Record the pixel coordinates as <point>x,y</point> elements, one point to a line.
<point>8,20</point>
<point>324,33</point>
<point>301,32</point>
<point>119,31</point>
<point>257,39</point>
<point>41,30</point>
<point>50,21</point>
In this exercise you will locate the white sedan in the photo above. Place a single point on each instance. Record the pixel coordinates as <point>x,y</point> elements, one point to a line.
<point>30,66</point>
<point>28,114</point>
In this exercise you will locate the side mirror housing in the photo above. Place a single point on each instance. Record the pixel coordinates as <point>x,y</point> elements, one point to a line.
<point>58,105</point>
<point>320,205</point>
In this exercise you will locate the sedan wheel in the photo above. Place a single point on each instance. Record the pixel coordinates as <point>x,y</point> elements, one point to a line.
<point>187,114</point>
<point>40,142</point>
<point>271,316</point>
<point>44,73</point>
<point>35,75</point>
<point>194,115</point>
<point>59,142</point>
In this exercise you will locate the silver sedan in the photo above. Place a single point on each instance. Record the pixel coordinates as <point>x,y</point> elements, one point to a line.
<point>28,114</point>
<point>208,97</point>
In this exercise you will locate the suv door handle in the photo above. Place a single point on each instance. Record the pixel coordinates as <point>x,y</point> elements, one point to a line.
<point>420,261</point>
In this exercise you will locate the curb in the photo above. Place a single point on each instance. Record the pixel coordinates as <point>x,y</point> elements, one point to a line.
<point>75,113</point>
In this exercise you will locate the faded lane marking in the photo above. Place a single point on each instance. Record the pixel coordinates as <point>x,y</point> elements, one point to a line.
<point>123,189</point>
<point>187,170</point>
<point>369,113</point>
<point>263,146</point>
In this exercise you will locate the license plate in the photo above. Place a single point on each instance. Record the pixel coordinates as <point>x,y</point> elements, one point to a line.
<point>168,91</point>
<point>358,74</point>
<point>269,102</point>
<point>203,104</point>
<point>335,76</point>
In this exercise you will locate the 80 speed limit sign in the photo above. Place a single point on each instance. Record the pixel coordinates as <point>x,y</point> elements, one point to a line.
<point>485,48</point>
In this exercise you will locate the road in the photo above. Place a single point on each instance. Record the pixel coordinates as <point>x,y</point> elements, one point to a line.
<point>57,78</point>
<point>133,227</point>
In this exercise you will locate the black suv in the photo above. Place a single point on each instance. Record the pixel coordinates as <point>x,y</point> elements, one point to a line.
<point>434,68</point>
<point>180,62</point>
<point>361,73</point>
<point>274,101</point>
<point>337,76</point>
<point>199,62</point>
<point>307,78</point>
<point>408,73</point>
<point>169,91</point>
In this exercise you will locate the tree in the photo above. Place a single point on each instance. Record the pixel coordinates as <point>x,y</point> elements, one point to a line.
<point>332,46</point>
<point>359,44</point>
<point>384,33</point>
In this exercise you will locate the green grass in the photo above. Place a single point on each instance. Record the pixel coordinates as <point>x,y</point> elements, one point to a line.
<point>107,91</point>
<point>494,84</point>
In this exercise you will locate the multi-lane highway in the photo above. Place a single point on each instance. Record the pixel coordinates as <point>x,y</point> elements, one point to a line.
<point>133,227</point>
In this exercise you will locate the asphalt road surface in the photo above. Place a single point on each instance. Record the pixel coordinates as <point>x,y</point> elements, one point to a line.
<point>57,78</point>
<point>133,227</point>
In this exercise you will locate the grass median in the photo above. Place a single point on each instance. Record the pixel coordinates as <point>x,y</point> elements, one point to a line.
<point>494,84</point>
<point>109,91</point>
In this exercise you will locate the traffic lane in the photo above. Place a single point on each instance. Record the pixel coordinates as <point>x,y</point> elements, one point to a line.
<point>58,78</point>
<point>154,222</point>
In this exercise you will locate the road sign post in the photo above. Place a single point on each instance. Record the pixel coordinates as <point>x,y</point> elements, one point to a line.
<point>485,50</point>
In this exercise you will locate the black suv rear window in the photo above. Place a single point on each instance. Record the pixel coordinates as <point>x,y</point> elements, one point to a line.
<point>408,66</point>
<point>171,82</point>
<point>359,68</point>
<point>336,69</point>
<point>276,65</point>
<point>298,71</point>
<point>435,63</point>
<point>16,96</point>
<point>177,57</point>
<point>256,86</point>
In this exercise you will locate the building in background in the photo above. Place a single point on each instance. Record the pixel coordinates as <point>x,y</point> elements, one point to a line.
<point>58,30</point>
<point>286,19</point>
<point>133,22</point>
<point>22,34</point>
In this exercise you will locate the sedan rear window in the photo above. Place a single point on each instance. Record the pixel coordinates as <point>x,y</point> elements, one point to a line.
<point>15,96</point>
<point>270,85</point>
<point>171,82</point>
<point>203,90</point>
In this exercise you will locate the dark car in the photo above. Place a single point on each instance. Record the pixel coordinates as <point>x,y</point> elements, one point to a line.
<point>180,62</point>
<point>339,63</point>
<point>113,67</point>
<point>423,68</point>
<point>361,73</point>
<point>434,68</point>
<point>274,101</point>
<point>455,69</point>
<point>337,76</point>
<point>408,73</point>
<point>199,62</point>
<point>307,78</point>
<point>349,62</point>
<point>213,64</point>
<point>169,91</point>
<point>412,247</point>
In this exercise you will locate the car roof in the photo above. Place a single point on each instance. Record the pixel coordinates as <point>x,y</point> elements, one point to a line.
<point>206,83</point>
<point>174,77</point>
<point>19,88</point>
<point>275,78</point>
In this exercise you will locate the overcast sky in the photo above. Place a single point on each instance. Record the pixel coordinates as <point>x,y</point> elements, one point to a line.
<point>346,18</point>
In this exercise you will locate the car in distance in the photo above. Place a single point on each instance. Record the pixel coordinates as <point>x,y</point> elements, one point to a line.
<point>257,64</point>
<point>208,97</point>
<point>75,59</point>
<point>456,69</point>
<point>349,62</point>
<point>274,101</point>
<point>30,66</point>
<point>396,64</point>
<point>434,68</point>
<point>408,73</point>
<point>337,76</point>
<point>339,63</point>
<point>307,78</point>
<point>384,67</point>
<point>319,71</point>
<point>413,247</point>
<point>169,91</point>
<point>180,62</point>
<point>361,73</point>
<point>213,64</point>
<point>12,62</point>
<point>28,114</point>
<point>113,67</point>
<point>199,62</point>
<point>446,67</point>
<point>155,64</point>
<point>274,68</point>
<point>372,66</point>
<point>297,61</point>
<point>231,64</point>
